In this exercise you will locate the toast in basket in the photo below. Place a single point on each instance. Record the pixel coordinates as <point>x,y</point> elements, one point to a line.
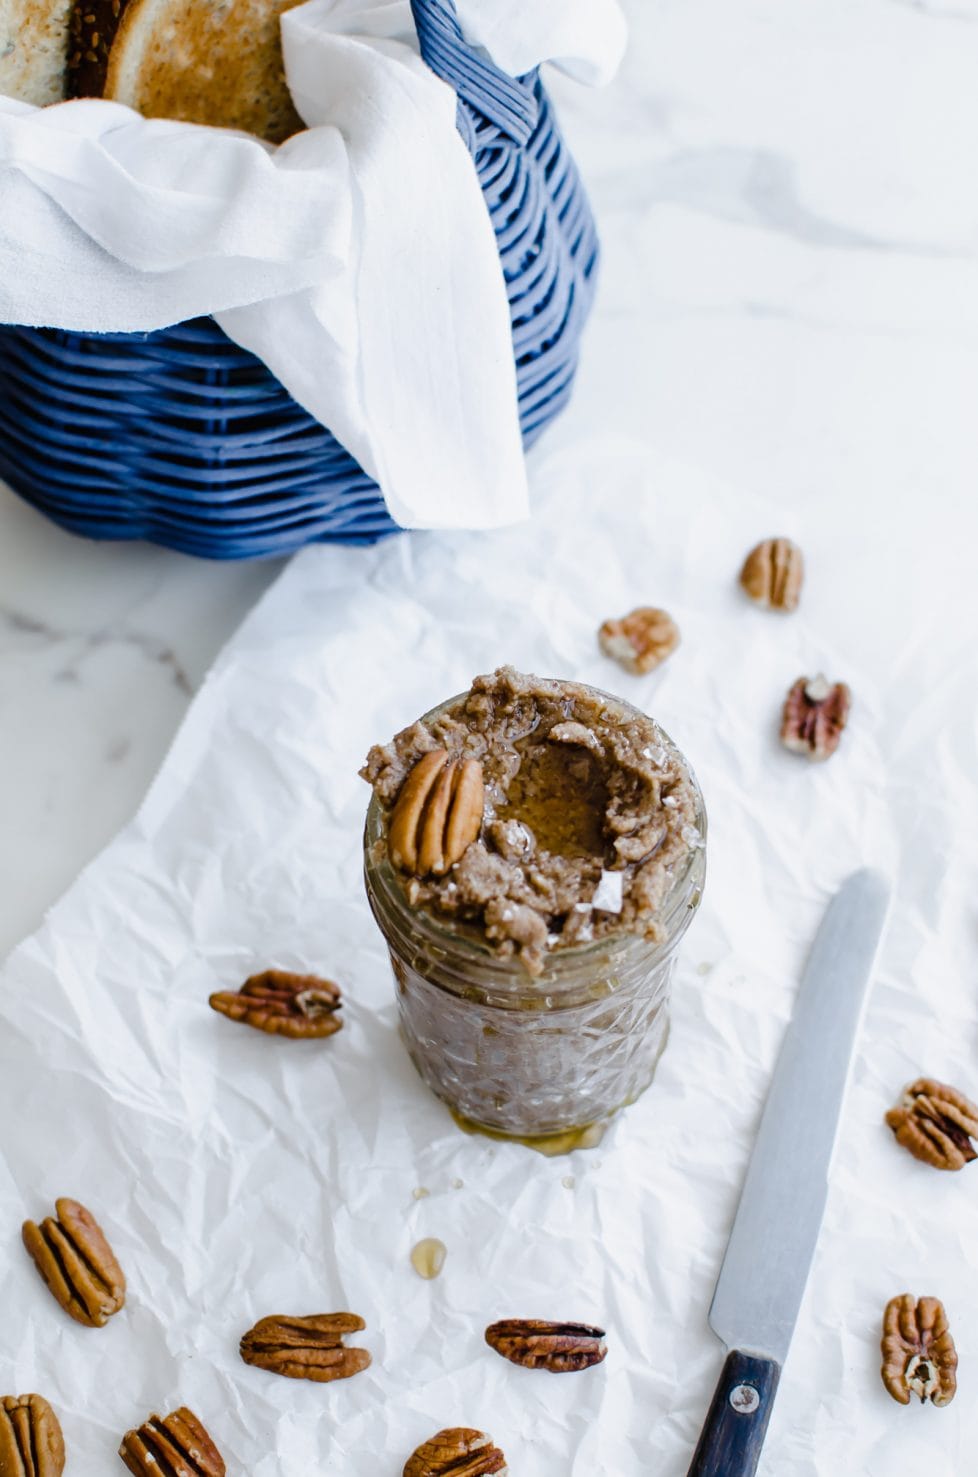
<point>217,62</point>
<point>34,49</point>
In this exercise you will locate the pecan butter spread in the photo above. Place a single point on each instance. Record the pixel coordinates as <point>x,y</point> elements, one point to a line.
<point>588,813</point>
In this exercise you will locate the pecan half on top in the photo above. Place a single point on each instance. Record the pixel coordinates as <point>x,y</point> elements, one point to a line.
<point>936,1123</point>
<point>773,573</point>
<point>77,1263</point>
<point>437,815</point>
<point>557,1347</point>
<point>919,1357</point>
<point>814,715</point>
<point>641,640</point>
<point>300,1006</point>
<point>456,1452</point>
<point>31,1443</point>
<point>309,1348</point>
<point>176,1446</point>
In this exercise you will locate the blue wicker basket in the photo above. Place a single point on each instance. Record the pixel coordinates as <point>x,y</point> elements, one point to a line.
<point>183,438</point>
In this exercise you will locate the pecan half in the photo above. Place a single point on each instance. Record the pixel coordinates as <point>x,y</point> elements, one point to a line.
<point>641,640</point>
<point>936,1123</point>
<point>773,573</point>
<point>176,1446</point>
<point>456,1452</point>
<point>918,1351</point>
<point>815,713</point>
<point>31,1443</point>
<point>309,1348</point>
<point>77,1263</point>
<point>558,1347</point>
<point>438,814</point>
<point>300,1006</point>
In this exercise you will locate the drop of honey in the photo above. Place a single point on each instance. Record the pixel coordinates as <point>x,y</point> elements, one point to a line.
<point>428,1257</point>
<point>421,1192</point>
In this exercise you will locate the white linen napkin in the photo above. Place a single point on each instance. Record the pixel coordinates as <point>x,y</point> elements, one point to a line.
<point>357,259</point>
<point>584,38</point>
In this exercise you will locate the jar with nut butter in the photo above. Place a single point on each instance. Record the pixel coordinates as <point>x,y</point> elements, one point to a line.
<point>534,853</point>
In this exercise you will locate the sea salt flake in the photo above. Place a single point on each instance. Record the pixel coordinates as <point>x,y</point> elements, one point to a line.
<point>691,836</point>
<point>608,893</point>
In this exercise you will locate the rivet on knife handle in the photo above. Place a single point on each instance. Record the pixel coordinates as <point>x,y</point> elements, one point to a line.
<point>732,1437</point>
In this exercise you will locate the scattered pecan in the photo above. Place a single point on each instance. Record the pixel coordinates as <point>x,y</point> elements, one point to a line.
<point>308,1348</point>
<point>31,1443</point>
<point>918,1351</point>
<point>438,814</point>
<point>281,1004</point>
<point>77,1263</point>
<point>814,715</point>
<point>457,1452</point>
<point>773,573</point>
<point>176,1446</point>
<point>936,1123</point>
<point>641,640</point>
<point>558,1347</point>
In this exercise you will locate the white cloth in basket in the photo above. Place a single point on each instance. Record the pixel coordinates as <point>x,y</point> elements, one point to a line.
<point>357,260</point>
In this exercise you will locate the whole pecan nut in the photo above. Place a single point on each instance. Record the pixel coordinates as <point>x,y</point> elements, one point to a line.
<point>437,815</point>
<point>919,1357</point>
<point>557,1347</point>
<point>773,573</point>
<point>936,1123</point>
<point>31,1443</point>
<point>307,1348</point>
<point>457,1452</point>
<point>814,715</point>
<point>641,640</point>
<point>300,1006</point>
<point>176,1446</point>
<point>77,1263</point>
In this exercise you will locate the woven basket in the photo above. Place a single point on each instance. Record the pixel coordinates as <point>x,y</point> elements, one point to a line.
<point>183,438</point>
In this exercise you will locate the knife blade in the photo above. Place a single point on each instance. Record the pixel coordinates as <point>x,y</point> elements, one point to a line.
<point>775,1231</point>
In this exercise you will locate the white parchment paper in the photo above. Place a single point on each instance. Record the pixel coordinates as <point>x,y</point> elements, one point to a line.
<point>237,1175</point>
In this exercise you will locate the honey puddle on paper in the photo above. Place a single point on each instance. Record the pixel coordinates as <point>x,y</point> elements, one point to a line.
<point>551,1144</point>
<point>428,1257</point>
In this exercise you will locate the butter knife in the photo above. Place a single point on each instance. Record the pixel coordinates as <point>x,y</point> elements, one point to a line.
<point>776,1227</point>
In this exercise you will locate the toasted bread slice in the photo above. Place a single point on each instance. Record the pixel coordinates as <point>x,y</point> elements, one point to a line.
<point>34,49</point>
<point>205,61</point>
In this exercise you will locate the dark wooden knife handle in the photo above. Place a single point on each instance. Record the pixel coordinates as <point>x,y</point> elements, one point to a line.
<point>731,1440</point>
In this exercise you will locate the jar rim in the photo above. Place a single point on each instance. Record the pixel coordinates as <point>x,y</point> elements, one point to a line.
<point>448,937</point>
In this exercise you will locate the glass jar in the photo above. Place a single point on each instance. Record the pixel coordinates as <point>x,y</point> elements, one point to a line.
<point>531,1057</point>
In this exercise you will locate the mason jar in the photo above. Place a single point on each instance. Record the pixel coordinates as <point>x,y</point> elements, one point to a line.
<point>535,1057</point>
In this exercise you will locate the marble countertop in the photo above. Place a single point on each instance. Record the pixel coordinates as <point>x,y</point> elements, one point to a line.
<point>787,186</point>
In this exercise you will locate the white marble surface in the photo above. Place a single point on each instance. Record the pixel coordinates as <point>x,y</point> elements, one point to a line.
<point>101,648</point>
<point>789,301</point>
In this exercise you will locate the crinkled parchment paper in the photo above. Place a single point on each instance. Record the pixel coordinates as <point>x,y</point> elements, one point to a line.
<point>239,1175</point>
